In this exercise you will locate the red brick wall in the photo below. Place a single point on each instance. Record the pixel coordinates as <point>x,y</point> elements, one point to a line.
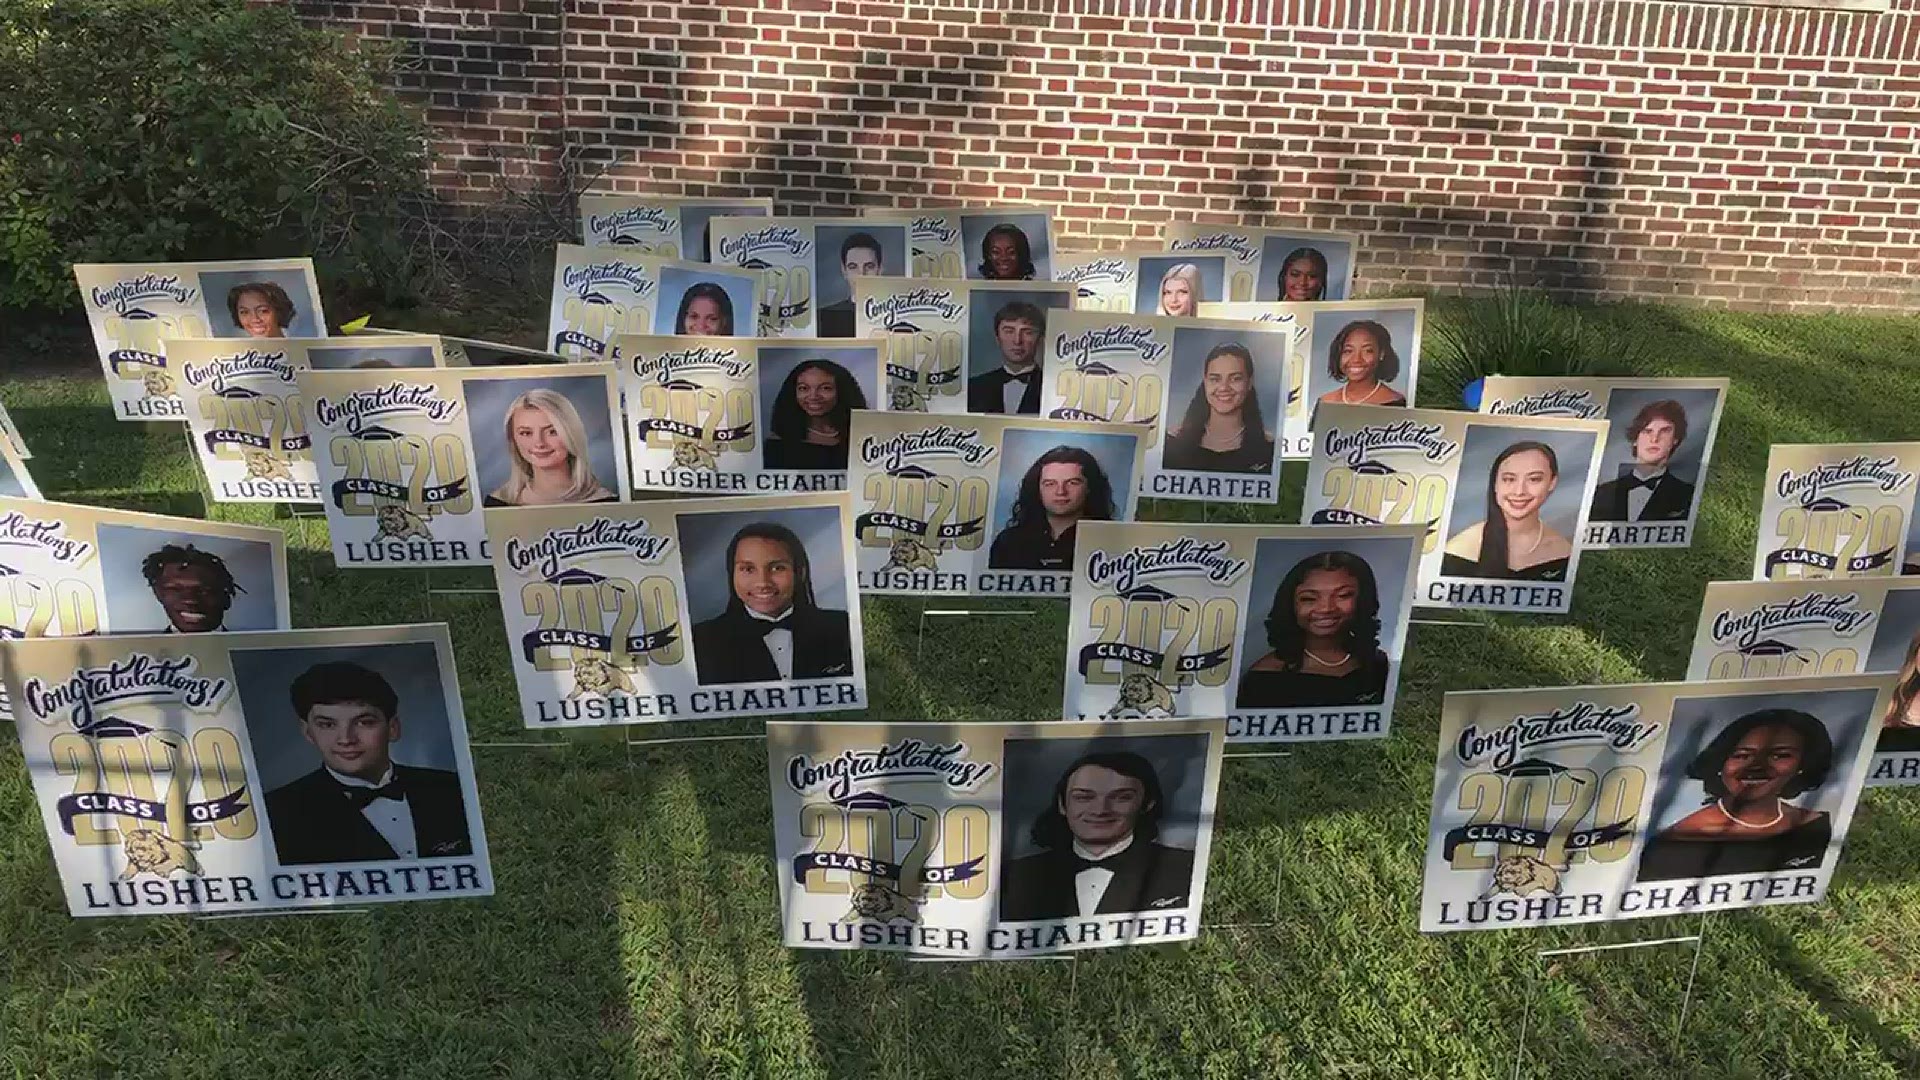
<point>1714,153</point>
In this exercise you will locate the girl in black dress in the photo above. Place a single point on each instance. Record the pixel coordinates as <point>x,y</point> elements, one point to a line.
<point>811,415</point>
<point>1324,633</point>
<point>1222,430</point>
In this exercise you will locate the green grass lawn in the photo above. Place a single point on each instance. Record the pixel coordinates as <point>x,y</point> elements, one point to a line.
<point>636,928</point>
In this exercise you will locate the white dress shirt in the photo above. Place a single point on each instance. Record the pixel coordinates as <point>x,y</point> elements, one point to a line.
<point>1638,497</point>
<point>391,818</point>
<point>1012,393</point>
<point>1090,885</point>
<point>779,642</point>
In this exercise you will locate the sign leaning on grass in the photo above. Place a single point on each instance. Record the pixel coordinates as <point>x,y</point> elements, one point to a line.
<point>1274,264</point>
<point>983,505</point>
<point>967,841</point>
<point>743,414</point>
<point>1655,466</point>
<point>807,267</point>
<point>1841,510</point>
<point>1596,803</point>
<point>10,435</point>
<point>407,459</point>
<point>1291,632</point>
<point>985,243</point>
<point>678,609</point>
<point>954,346</point>
<point>1205,393</point>
<point>601,293</point>
<point>244,412</point>
<point>672,228</point>
<point>14,478</point>
<point>1144,282</point>
<point>1777,629</point>
<point>209,773</point>
<point>1504,498</point>
<point>134,307</point>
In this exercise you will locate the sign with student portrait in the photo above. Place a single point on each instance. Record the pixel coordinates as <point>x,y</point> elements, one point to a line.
<point>682,609</point>
<point>602,293</point>
<point>248,423</point>
<point>808,267</point>
<point>984,243</point>
<point>671,227</point>
<point>216,773</point>
<point>1504,498</point>
<point>1207,394</point>
<point>992,841</point>
<point>1149,282</point>
<point>960,346</point>
<point>1835,626</point>
<point>472,352</point>
<point>1596,803</point>
<point>1274,264</point>
<point>982,505</point>
<point>366,351</point>
<point>1839,511</point>
<point>408,459</point>
<point>1658,447</point>
<point>1293,633</point>
<point>134,307</point>
<point>731,415</point>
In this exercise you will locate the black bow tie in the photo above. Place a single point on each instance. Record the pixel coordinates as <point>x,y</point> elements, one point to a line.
<point>768,626</point>
<point>362,797</point>
<point>1646,482</point>
<point>1025,378</point>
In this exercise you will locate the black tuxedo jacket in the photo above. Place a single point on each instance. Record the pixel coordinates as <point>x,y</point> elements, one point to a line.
<point>834,320</point>
<point>1671,499</point>
<point>314,821</point>
<point>729,648</point>
<point>1146,877</point>
<point>986,393</point>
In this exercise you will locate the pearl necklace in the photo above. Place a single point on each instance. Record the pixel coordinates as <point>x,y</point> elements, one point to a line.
<point>1779,811</point>
<point>1344,657</point>
<point>1345,400</point>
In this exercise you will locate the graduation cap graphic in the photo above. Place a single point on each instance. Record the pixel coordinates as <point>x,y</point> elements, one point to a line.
<point>593,297</point>
<point>236,392</point>
<point>1536,767</point>
<point>1375,468</point>
<point>902,327</point>
<point>1827,502</point>
<point>1769,647</point>
<point>379,434</point>
<point>756,263</point>
<point>576,576</point>
<point>137,313</point>
<point>1149,593</point>
<point>623,241</point>
<point>682,384</point>
<point>112,727</point>
<point>1095,367</point>
<point>914,472</point>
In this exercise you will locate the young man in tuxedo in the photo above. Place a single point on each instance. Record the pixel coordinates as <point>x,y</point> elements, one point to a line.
<point>360,805</point>
<point>1102,855</point>
<point>1062,488</point>
<point>1648,490</point>
<point>1014,386</point>
<point>859,257</point>
<point>772,630</point>
<point>194,588</point>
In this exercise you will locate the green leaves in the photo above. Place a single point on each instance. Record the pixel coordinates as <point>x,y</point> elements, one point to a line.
<point>190,129</point>
<point>1519,332</point>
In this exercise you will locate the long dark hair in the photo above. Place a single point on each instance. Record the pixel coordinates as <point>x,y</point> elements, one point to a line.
<point>790,420</point>
<point>1050,829</point>
<point>1816,751</point>
<point>1311,255</point>
<point>1908,688</point>
<point>1360,637</point>
<point>1388,368</point>
<point>1493,530</point>
<point>1022,249</point>
<point>1194,423</point>
<point>712,292</point>
<point>802,569</point>
<point>1027,512</point>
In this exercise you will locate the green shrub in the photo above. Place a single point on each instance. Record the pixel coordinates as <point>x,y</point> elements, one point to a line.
<point>145,130</point>
<point>1518,332</point>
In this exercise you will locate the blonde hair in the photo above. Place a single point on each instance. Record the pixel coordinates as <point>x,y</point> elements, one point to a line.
<point>584,486</point>
<point>1187,272</point>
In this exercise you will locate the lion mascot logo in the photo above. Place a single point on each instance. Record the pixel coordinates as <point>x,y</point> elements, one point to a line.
<point>149,852</point>
<point>264,466</point>
<point>396,522</point>
<point>911,553</point>
<point>598,675</point>
<point>904,398</point>
<point>157,383</point>
<point>881,903</point>
<point>1522,875</point>
<point>1141,695</point>
<point>693,455</point>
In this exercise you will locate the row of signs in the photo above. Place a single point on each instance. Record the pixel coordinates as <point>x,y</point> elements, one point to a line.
<point>292,769</point>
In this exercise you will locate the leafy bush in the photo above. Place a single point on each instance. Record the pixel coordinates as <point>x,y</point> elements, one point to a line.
<point>143,130</point>
<point>1517,332</point>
